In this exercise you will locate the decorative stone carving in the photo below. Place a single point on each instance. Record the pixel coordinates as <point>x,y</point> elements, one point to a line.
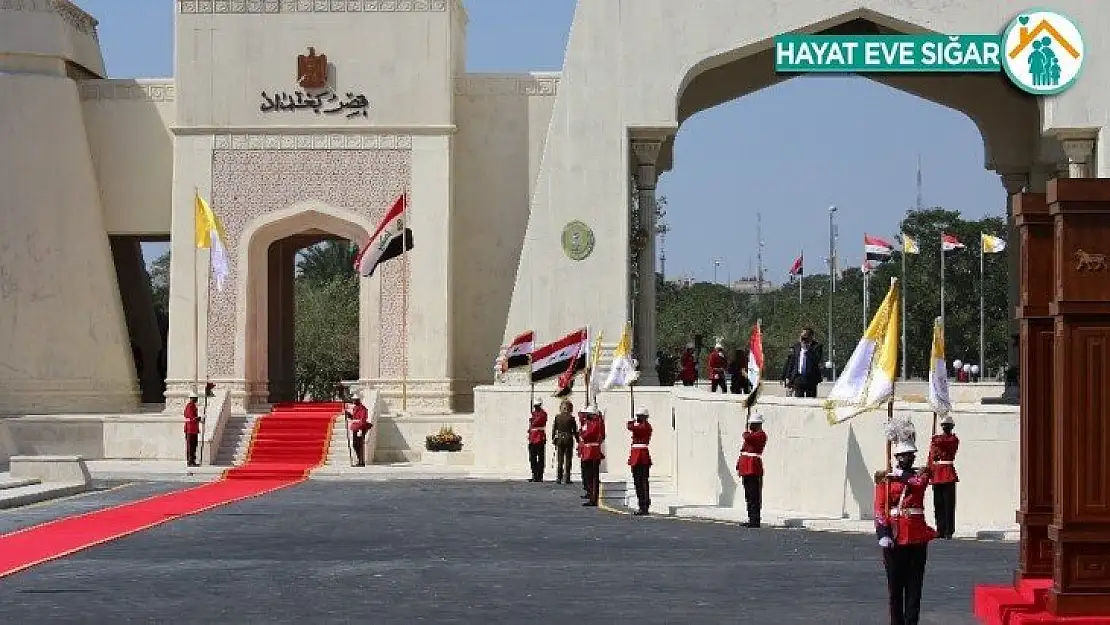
<point>126,89</point>
<point>647,152</point>
<point>235,7</point>
<point>1078,152</point>
<point>80,21</point>
<point>249,183</point>
<point>507,85</point>
<point>343,141</point>
<point>1014,182</point>
<point>1086,261</point>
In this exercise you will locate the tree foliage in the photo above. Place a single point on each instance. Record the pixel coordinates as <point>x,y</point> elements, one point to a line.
<point>160,283</point>
<point>716,311</point>
<point>326,339</point>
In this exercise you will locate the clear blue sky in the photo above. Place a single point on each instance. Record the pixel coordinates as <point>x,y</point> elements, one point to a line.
<point>788,151</point>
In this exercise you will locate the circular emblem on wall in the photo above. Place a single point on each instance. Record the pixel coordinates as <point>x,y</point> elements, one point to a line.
<point>1043,52</point>
<point>578,240</point>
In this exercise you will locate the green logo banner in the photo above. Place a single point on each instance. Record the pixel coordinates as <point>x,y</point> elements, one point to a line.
<point>888,53</point>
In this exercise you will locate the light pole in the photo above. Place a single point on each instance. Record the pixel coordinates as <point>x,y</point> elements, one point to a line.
<point>832,288</point>
<point>717,263</point>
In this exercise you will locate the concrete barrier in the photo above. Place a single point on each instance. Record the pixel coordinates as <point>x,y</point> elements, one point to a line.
<point>51,469</point>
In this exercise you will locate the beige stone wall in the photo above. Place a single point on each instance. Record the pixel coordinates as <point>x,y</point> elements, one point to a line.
<point>502,124</point>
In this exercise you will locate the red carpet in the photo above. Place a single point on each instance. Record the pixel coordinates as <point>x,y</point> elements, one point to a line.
<point>1023,605</point>
<point>285,446</point>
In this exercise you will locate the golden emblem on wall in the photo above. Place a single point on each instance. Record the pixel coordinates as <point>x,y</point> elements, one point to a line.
<point>312,70</point>
<point>1086,261</point>
<point>578,240</point>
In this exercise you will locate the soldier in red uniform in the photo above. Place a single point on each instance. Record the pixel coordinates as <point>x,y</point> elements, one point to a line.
<point>718,366</point>
<point>583,419</point>
<point>903,533</point>
<point>942,469</point>
<point>749,466</point>
<point>592,437</point>
<point>359,423</point>
<point>639,458</point>
<point>192,430</point>
<point>537,439</point>
<point>689,373</point>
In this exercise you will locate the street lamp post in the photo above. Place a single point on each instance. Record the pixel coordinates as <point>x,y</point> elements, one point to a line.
<point>832,287</point>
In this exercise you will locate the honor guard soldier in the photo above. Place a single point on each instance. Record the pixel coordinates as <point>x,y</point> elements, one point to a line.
<point>639,458</point>
<point>592,437</point>
<point>583,419</point>
<point>749,466</point>
<point>192,430</point>
<point>359,424</point>
<point>942,470</point>
<point>564,434</point>
<point>903,533</point>
<point>718,366</point>
<point>537,439</point>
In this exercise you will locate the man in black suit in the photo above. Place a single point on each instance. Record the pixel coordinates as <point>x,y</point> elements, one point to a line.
<point>802,372</point>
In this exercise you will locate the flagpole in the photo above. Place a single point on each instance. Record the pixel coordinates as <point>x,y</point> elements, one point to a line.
<point>207,315</point>
<point>982,344</point>
<point>904,377</point>
<point>801,275</point>
<point>196,302</point>
<point>586,373</point>
<point>405,302</point>
<point>942,280</point>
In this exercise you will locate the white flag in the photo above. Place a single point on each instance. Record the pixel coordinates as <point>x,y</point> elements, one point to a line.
<point>622,371</point>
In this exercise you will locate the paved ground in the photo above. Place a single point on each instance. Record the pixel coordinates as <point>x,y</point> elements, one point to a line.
<point>453,552</point>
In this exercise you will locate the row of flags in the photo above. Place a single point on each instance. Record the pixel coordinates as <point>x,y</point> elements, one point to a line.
<point>877,250</point>
<point>867,382</point>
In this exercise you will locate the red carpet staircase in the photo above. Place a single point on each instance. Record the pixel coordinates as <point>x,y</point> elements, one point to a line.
<point>287,443</point>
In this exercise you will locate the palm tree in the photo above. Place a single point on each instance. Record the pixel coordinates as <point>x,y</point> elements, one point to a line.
<point>326,261</point>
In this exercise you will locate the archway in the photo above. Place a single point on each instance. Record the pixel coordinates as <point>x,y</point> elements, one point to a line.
<point>1008,121</point>
<point>273,259</point>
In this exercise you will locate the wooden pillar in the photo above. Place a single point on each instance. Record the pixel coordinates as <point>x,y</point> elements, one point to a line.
<point>1035,325</point>
<point>1080,529</point>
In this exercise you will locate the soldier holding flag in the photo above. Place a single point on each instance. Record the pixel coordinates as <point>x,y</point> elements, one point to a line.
<point>639,458</point>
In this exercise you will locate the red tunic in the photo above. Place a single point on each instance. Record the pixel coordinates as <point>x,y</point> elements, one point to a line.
<point>942,458</point>
<point>192,419</point>
<point>641,438</point>
<point>907,509</point>
<point>581,428</point>
<point>536,424</point>
<point>360,418</point>
<point>717,366</point>
<point>689,368</point>
<point>750,461</point>
<point>592,437</point>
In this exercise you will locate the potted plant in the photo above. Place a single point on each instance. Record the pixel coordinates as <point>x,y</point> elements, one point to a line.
<point>444,440</point>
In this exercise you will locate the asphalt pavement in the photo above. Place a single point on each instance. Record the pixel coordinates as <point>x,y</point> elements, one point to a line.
<point>469,552</point>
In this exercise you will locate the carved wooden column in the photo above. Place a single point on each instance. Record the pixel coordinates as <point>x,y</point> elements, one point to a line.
<point>1035,324</point>
<point>1015,183</point>
<point>1080,529</point>
<point>643,236</point>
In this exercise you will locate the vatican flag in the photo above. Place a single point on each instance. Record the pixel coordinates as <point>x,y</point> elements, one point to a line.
<point>992,244</point>
<point>210,235</point>
<point>938,373</point>
<point>909,245</point>
<point>622,371</point>
<point>867,381</point>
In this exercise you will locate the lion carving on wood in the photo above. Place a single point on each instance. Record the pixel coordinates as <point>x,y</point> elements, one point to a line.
<point>1085,261</point>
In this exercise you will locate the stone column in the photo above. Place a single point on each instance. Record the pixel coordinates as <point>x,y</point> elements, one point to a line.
<point>643,239</point>
<point>1078,151</point>
<point>1015,183</point>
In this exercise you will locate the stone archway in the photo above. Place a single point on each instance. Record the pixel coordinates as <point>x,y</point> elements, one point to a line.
<point>1008,120</point>
<point>266,252</point>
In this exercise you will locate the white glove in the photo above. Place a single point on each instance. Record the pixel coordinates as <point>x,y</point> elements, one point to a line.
<point>896,472</point>
<point>885,542</point>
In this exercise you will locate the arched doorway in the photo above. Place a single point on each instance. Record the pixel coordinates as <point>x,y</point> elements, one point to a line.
<point>1008,120</point>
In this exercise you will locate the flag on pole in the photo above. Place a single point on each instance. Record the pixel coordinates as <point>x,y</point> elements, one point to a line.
<point>867,266</point>
<point>797,269</point>
<point>565,382</point>
<point>210,235</point>
<point>622,371</point>
<point>867,381</point>
<point>992,244</point>
<point>755,364</point>
<point>519,353</point>
<point>552,359</point>
<point>909,245</point>
<point>592,359</point>
<point>949,242</point>
<point>876,249</point>
<point>392,238</point>
<point>938,373</point>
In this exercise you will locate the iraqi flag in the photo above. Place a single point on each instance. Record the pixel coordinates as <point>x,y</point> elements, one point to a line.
<point>949,242</point>
<point>876,249</point>
<point>755,364</point>
<point>566,354</point>
<point>392,238</point>
<point>797,268</point>
<point>519,353</point>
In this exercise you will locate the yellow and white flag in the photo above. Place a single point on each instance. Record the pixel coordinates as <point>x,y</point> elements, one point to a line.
<point>992,244</point>
<point>210,236</point>
<point>622,371</point>
<point>867,381</point>
<point>909,245</point>
<point>593,359</point>
<point>938,373</point>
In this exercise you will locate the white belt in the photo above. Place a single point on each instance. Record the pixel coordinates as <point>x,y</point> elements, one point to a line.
<point>907,511</point>
<point>750,454</point>
<point>536,429</point>
<point>944,462</point>
<point>591,444</point>
<point>639,446</point>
